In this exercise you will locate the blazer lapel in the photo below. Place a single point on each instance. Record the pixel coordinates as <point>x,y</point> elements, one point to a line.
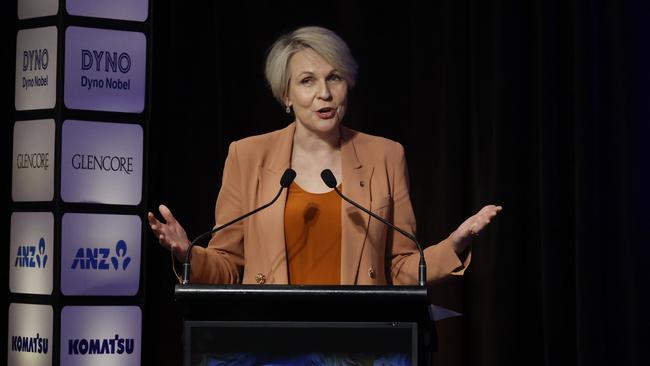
<point>354,222</point>
<point>270,224</point>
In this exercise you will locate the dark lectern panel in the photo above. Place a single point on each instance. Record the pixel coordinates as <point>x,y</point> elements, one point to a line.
<point>305,343</point>
<point>305,325</point>
<point>315,303</point>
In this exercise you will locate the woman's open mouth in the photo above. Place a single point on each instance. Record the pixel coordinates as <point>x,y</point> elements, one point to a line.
<point>326,113</point>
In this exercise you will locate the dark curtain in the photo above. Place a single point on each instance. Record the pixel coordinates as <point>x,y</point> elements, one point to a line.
<point>540,106</point>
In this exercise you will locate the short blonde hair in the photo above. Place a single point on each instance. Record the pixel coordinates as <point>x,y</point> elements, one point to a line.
<point>323,41</point>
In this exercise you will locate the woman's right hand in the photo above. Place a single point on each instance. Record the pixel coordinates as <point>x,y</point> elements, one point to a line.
<point>170,234</point>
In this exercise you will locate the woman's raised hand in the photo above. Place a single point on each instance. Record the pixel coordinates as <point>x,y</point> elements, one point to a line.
<point>170,234</point>
<point>472,227</point>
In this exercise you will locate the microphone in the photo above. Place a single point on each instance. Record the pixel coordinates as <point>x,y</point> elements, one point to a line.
<point>330,181</point>
<point>287,177</point>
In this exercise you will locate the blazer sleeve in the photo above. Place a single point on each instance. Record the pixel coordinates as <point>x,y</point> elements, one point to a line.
<point>222,261</point>
<point>442,261</point>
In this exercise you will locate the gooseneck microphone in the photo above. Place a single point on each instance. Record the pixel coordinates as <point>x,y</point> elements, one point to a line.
<point>287,177</point>
<point>330,181</point>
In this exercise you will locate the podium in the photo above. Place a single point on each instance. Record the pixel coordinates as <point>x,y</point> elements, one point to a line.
<point>305,325</point>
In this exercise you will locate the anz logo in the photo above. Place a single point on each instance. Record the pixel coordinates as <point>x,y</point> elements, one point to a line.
<point>31,256</point>
<point>101,258</point>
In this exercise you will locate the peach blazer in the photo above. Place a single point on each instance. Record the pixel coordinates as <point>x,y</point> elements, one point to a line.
<point>374,175</point>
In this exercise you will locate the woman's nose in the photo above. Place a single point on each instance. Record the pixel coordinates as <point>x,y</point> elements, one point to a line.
<point>324,91</point>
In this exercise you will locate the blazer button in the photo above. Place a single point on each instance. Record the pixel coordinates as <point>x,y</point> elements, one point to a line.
<point>371,273</point>
<point>260,279</point>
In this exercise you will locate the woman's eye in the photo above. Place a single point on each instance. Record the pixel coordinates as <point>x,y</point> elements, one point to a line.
<point>334,77</point>
<point>306,81</point>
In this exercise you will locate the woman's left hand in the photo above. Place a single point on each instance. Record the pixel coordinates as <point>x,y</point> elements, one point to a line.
<point>472,227</point>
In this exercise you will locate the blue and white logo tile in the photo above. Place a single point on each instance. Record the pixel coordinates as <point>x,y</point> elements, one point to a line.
<point>134,10</point>
<point>105,70</point>
<point>30,259</point>
<point>101,335</point>
<point>101,162</point>
<point>36,51</point>
<point>32,177</point>
<point>37,8</point>
<point>100,255</point>
<point>30,335</point>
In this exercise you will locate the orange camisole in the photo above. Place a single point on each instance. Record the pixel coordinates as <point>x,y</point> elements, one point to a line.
<point>312,233</point>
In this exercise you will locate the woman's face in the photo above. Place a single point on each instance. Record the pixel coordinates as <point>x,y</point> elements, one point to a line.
<point>317,92</point>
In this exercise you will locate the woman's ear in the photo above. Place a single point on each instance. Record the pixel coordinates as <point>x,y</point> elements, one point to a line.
<point>287,105</point>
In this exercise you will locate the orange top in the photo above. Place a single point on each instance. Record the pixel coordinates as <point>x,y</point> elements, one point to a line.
<point>312,233</point>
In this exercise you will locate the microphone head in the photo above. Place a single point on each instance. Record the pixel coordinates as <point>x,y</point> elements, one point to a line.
<point>287,178</point>
<point>329,178</point>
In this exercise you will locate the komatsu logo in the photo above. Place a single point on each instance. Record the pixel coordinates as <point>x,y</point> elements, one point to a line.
<point>98,346</point>
<point>36,344</point>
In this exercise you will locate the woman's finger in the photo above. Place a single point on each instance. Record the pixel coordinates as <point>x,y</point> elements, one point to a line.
<point>152,219</point>
<point>157,228</point>
<point>166,214</point>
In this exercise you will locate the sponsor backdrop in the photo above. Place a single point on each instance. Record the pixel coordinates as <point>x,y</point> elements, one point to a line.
<point>30,334</point>
<point>36,53</point>
<point>31,256</point>
<point>101,335</point>
<point>100,254</point>
<point>101,162</point>
<point>33,161</point>
<point>104,69</point>
<point>81,97</point>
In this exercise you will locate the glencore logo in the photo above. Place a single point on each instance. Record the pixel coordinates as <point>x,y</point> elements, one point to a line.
<point>97,346</point>
<point>33,161</point>
<point>106,163</point>
<point>29,344</point>
<point>101,259</point>
<point>31,256</point>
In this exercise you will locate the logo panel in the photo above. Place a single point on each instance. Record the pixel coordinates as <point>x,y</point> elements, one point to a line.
<point>30,335</point>
<point>32,176</point>
<point>136,10</point>
<point>100,255</point>
<point>101,162</point>
<point>101,335</point>
<point>36,68</point>
<point>31,252</point>
<point>37,8</point>
<point>105,70</point>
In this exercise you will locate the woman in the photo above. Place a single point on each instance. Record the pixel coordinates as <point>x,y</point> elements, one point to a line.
<point>310,236</point>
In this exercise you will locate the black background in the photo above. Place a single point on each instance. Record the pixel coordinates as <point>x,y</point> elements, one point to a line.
<point>540,106</point>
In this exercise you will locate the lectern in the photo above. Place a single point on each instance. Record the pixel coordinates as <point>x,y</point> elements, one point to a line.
<point>305,325</point>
